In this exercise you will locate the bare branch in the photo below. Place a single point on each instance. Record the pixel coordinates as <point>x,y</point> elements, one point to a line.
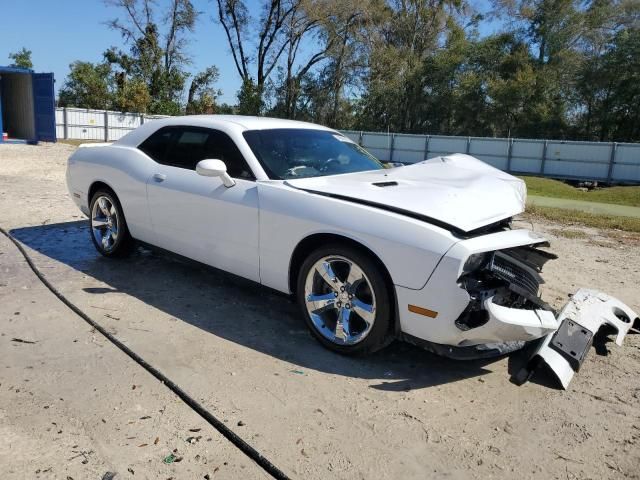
<point>229,20</point>
<point>130,7</point>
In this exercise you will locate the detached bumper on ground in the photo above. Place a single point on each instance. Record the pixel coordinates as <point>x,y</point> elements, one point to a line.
<point>589,313</point>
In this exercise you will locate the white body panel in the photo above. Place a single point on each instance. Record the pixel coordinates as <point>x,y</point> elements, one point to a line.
<point>434,189</point>
<point>409,248</point>
<point>125,171</point>
<point>198,217</point>
<point>253,228</point>
<point>444,295</point>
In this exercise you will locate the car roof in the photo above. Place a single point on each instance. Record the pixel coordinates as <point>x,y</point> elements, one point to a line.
<point>252,122</point>
<point>238,123</point>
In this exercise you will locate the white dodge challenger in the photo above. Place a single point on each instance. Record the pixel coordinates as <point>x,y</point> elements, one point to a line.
<point>422,252</point>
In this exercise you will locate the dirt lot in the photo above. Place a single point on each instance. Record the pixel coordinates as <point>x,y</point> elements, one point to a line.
<point>69,409</point>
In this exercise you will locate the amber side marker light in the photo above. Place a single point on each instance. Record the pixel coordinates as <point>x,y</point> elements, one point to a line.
<point>422,311</point>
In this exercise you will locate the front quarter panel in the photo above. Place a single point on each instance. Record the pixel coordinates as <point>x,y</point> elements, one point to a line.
<point>410,249</point>
<point>444,295</point>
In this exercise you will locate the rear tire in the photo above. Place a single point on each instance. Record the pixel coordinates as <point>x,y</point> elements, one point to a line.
<point>345,300</point>
<point>108,227</point>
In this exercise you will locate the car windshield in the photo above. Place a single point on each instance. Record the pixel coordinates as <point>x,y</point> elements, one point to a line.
<point>288,153</point>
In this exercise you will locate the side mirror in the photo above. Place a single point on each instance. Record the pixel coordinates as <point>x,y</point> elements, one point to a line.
<point>215,168</point>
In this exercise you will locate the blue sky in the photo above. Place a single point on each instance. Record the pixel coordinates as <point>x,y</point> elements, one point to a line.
<point>60,32</point>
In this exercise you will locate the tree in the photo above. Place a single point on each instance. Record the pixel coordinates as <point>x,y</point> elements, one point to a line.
<point>21,59</point>
<point>132,96</point>
<point>555,68</point>
<point>87,86</point>
<point>403,35</point>
<point>552,26</point>
<point>151,75</point>
<point>157,59</point>
<point>332,27</point>
<point>250,101</point>
<point>610,88</point>
<point>202,96</point>
<point>270,43</point>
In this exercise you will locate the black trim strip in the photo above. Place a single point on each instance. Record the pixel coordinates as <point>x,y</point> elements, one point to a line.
<point>458,232</point>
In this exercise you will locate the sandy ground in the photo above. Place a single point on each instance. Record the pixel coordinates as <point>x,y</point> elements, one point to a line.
<point>245,354</point>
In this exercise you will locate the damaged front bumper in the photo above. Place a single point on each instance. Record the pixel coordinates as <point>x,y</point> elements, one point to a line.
<point>504,301</point>
<point>510,324</point>
<point>589,313</point>
<point>483,300</point>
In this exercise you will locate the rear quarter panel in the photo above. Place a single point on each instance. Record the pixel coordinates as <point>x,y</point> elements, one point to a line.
<point>125,170</point>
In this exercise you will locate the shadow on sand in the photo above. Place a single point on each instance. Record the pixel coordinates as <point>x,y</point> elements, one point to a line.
<point>240,311</point>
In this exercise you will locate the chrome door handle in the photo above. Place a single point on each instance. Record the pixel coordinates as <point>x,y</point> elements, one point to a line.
<point>159,177</point>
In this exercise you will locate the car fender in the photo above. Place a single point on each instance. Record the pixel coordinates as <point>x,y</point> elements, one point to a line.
<point>410,249</point>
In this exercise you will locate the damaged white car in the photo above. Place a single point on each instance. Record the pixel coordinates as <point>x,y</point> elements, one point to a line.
<point>422,252</point>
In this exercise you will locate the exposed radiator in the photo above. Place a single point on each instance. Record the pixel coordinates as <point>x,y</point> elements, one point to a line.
<point>514,274</point>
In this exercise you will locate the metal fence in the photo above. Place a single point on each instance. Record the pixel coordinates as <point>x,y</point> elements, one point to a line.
<point>103,125</point>
<point>607,162</point>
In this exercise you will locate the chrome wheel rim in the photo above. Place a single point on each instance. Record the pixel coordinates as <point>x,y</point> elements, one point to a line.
<point>105,223</point>
<point>340,300</point>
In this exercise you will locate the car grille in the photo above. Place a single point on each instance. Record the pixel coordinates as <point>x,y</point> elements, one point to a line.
<point>514,274</point>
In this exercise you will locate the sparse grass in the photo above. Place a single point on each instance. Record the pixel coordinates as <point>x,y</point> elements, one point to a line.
<point>575,217</point>
<point>75,143</point>
<point>547,187</point>
<point>568,233</point>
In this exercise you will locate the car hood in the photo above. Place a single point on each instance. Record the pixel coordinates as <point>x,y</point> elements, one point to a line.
<point>456,190</point>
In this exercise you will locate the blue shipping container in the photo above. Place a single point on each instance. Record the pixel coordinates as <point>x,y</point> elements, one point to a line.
<point>27,105</point>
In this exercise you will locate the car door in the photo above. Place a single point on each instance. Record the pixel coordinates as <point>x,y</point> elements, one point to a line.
<point>196,216</point>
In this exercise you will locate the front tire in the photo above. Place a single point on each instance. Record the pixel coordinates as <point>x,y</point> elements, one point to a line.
<point>345,300</point>
<point>109,231</point>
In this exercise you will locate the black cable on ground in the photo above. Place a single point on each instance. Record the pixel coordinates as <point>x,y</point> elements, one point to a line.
<point>229,434</point>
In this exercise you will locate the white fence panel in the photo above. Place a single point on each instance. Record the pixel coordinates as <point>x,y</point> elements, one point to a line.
<point>122,123</point>
<point>102,125</point>
<point>85,118</point>
<point>583,152</point>
<point>609,162</point>
<point>494,151</point>
<point>408,148</point>
<point>60,123</point>
<point>441,145</point>
<point>573,159</point>
<point>354,136</point>
<point>379,144</point>
<point>575,169</point>
<point>626,173</point>
<point>627,163</point>
<point>527,155</point>
<point>628,154</point>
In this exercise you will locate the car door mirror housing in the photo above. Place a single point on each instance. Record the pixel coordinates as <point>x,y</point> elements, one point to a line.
<point>215,168</point>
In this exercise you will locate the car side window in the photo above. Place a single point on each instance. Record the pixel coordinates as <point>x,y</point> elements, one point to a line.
<point>221,147</point>
<point>188,148</point>
<point>184,147</point>
<point>157,145</point>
